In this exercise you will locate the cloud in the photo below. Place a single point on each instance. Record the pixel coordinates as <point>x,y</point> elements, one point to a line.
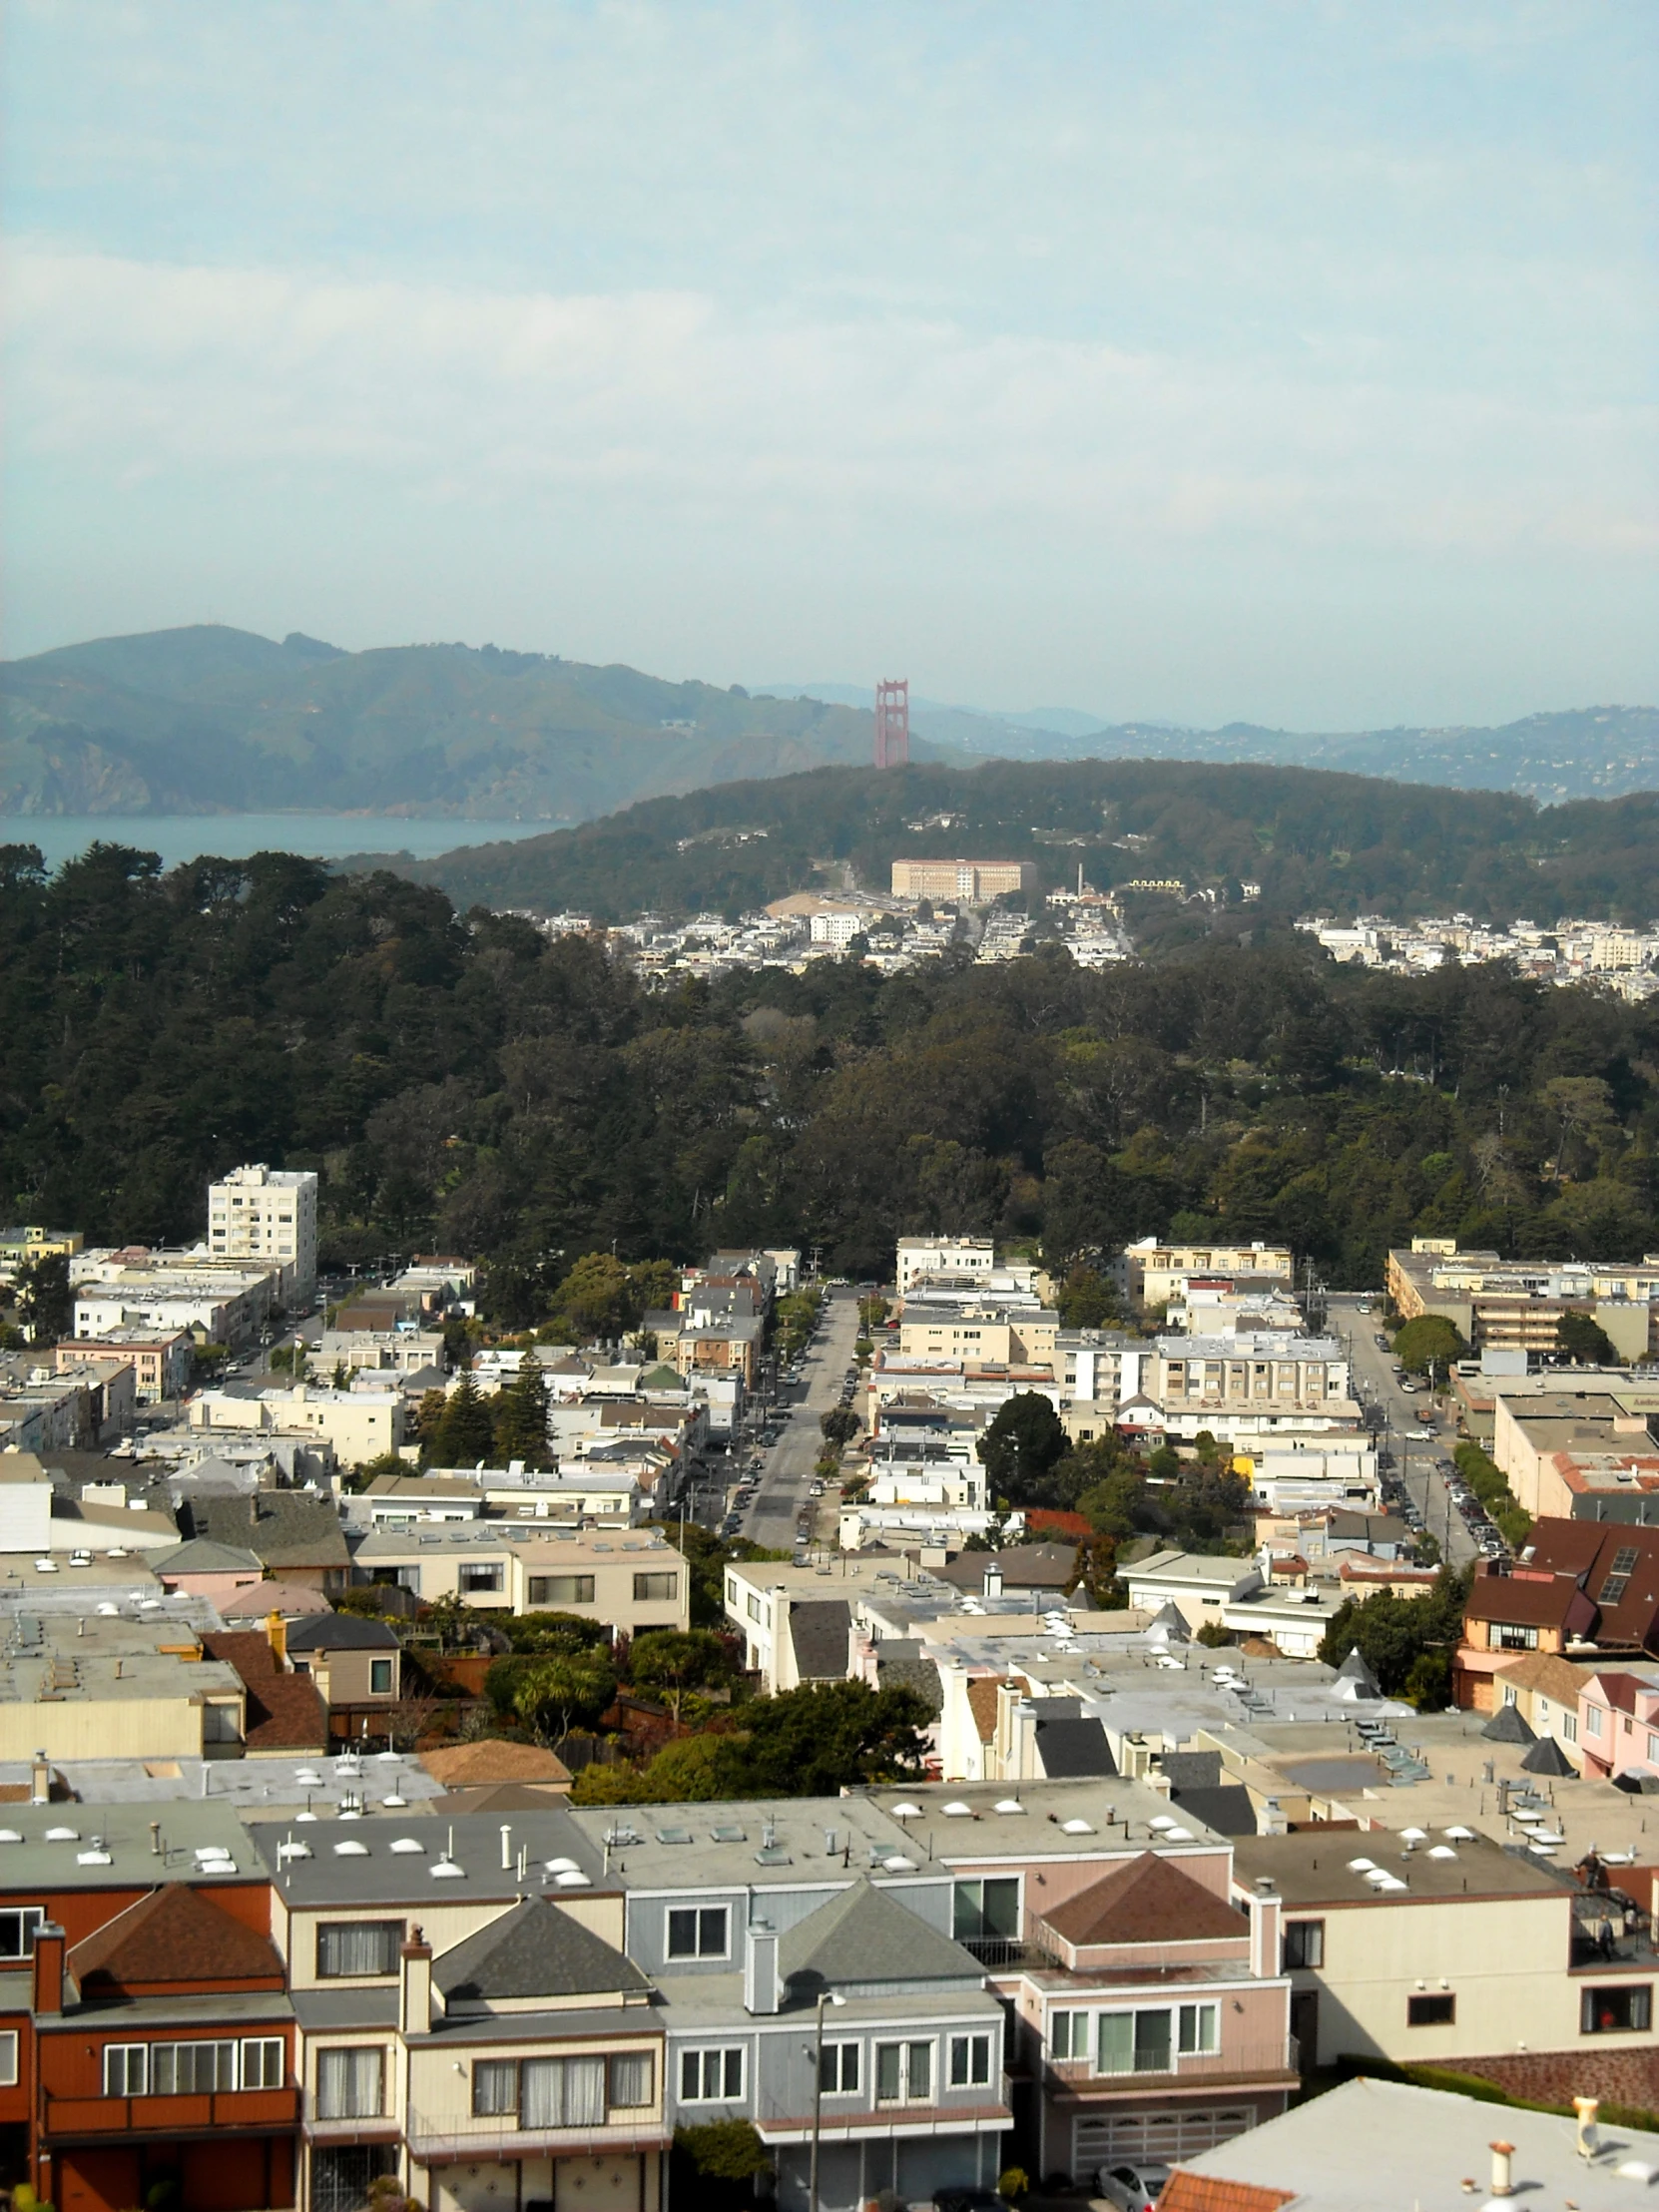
<point>670,399</point>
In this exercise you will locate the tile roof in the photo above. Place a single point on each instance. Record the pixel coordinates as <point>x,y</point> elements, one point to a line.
<point>1190,2192</point>
<point>864,1934</point>
<point>1586,1551</point>
<point>535,1951</point>
<point>285,1711</point>
<point>1525,1601</point>
<point>981,1696</point>
<point>173,1936</point>
<point>475,1766</point>
<point>1149,1901</point>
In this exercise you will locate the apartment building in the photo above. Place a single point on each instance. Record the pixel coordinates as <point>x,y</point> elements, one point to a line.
<point>161,1361</point>
<point>173,1293</point>
<point>626,1581</point>
<point>1154,1270</point>
<point>1583,1590</point>
<point>1262,1373</point>
<point>973,881</point>
<point>1582,1451</point>
<point>934,1329</point>
<point>357,1425</point>
<point>267,1214</point>
<point>25,1241</point>
<point>1519,1302</point>
<point>98,1684</point>
<point>920,1257</point>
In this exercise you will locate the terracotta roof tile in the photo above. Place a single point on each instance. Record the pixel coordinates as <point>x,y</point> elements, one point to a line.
<point>981,1696</point>
<point>1150,1900</point>
<point>1189,2192</point>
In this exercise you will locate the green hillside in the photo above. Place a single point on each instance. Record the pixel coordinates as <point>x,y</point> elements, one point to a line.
<point>212,719</point>
<point>1310,839</point>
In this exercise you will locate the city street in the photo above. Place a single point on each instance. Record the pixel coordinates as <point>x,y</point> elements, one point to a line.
<point>1420,1451</point>
<point>786,1469</point>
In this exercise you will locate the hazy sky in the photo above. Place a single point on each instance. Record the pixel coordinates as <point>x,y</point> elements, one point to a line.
<point>1287,361</point>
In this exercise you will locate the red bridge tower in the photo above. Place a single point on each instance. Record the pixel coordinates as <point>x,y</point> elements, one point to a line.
<point>892,722</point>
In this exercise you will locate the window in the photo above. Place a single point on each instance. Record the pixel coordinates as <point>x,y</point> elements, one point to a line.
<point>1199,2029</point>
<point>351,2083</point>
<point>1592,1720</point>
<point>8,2059</point>
<point>632,2078</point>
<point>1068,2035</point>
<point>753,1606</point>
<point>1569,1728</point>
<point>480,1574</point>
<point>656,1586</point>
<point>191,2069</point>
<point>263,2062</point>
<point>1437,2009</point>
<point>17,1930</point>
<point>561,1589</point>
<point>989,1907</point>
<point>380,1677</point>
<point>711,2076</point>
<point>1304,1943</point>
<point>903,2073</point>
<point>971,2061</point>
<point>697,1932</point>
<point>562,2092</point>
<point>1133,2042</point>
<point>495,2087</point>
<point>349,1951</point>
<point>1618,1576</point>
<point>126,2070</point>
<point>1505,1636</point>
<point>837,2069</point>
<point>1625,2010</point>
<point>731,1589</point>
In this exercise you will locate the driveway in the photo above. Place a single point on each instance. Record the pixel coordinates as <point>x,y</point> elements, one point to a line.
<point>787,1471</point>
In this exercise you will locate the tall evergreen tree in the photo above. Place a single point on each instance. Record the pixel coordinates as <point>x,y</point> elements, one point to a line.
<point>521,1418</point>
<point>465,1435</point>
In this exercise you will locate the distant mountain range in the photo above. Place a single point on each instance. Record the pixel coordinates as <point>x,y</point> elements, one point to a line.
<point>1584,753</point>
<point>210,720</point>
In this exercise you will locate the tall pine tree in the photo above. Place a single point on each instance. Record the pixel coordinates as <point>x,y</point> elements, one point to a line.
<point>521,1418</point>
<point>464,1436</point>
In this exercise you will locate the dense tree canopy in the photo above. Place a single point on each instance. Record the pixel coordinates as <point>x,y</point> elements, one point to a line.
<point>462,1084</point>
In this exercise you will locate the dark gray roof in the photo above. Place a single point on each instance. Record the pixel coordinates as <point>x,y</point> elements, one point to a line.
<point>1024,1566</point>
<point>900,1665</point>
<point>821,1630</point>
<point>864,1934</point>
<point>287,1528</point>
<point>1227,1810</point>
<point>1191,1770</point>
<point>1507,1726</point>
<point>535,1951</point>
<point>340,1632</point>
<point>1547,1757</point>
<point>1071,1749</point>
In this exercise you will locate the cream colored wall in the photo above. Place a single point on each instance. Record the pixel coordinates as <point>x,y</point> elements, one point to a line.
<point>443,1926</point>
<point>125,1727</point>
<point>441,2099</point>
<point>1505,1961</point>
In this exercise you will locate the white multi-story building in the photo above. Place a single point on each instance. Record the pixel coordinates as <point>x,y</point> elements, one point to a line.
<point>269,1214</point>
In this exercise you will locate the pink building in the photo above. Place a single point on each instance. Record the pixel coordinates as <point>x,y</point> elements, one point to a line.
<point>1618,1721</point>
<point>203,1568</point>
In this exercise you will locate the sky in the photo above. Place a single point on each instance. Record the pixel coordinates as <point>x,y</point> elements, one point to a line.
<point>1273,361</point>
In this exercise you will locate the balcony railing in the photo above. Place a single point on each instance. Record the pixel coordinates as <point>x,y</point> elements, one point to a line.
<point>1244,2062</point>
<point>210,2110</point>
<point>985,2109</point>
<point>435,2137</point>
<point>1007,1950</point>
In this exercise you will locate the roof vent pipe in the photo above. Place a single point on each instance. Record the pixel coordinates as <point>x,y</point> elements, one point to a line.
<point>1502,2160</point>
<point>1589,2143</point>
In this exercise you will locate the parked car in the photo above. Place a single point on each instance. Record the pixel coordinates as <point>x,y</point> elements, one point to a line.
<point>1134,2189</point>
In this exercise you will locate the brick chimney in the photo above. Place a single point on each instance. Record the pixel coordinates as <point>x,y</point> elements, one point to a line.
<point>49,1951</point>
<point>415,1998</point>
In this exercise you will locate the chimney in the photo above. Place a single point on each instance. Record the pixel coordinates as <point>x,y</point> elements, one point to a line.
<point>1265,1911</point>
<point>992,1586</point>
<point>1589,2143</point>
<point>759,1968</point>
<point>276,1636</point>
<point>415,1997</point>
<point>49,1949</point>
<point>40,1780</point>
<point>1502,2155</point>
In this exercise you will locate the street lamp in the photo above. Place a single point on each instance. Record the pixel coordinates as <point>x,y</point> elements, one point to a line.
<point>817,2094</point>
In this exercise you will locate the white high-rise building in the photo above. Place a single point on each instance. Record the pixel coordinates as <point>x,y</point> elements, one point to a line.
<point>269,1214</point>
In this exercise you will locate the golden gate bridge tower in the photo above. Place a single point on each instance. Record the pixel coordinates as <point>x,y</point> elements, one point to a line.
<point>892,722</point>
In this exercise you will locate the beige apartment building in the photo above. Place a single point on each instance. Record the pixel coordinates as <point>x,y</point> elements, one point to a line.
<point>974,882</point>
<point>977,1334</point>
<point>1156,1269</point>
<point>1519,1302</point>
<point>629,1580</point>
<point>267,1214</point>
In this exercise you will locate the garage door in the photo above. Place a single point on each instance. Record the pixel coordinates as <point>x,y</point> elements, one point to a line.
<point>1128,2137</point>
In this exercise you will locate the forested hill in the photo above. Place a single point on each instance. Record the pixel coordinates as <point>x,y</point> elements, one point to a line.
<point>1311,840</point>
<point>463,1085</point>
<point>211,720</point>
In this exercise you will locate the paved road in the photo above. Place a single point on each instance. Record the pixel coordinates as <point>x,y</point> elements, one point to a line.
<point>788,1471</point>
<point>1418,1449</point>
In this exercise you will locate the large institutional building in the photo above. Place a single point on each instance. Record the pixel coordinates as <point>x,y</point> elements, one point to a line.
<point>974,881</point>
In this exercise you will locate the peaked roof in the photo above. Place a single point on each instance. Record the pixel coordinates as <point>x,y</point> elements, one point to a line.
<point>1169,1624</point>
<point>1073,1749</point>
<point>535,1951</point>
<point>490,1760</point>
<point>1547,1757</point>
<point>201,1555</point>
<point>290,1599</point>
<point>981,1696</point>
<point>285,1711</point>
<point>866,1935</point>
<point>820,1629</point>
<point>1507,1726</point>
<point>341,1632</point>
<point>1355,1678</point>
<point>174,1936</point>
<point>1150,1900</point>
<point>287,1528</point>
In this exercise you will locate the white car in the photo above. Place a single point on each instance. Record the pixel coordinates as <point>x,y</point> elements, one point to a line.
<point>1134,2189</point>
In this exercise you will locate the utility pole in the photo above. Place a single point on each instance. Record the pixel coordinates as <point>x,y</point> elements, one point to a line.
<point>830,1995</point>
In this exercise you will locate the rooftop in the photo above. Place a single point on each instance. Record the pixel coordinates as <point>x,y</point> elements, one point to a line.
<point>1334,1868</point>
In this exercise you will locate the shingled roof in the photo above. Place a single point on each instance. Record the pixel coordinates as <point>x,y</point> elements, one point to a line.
<point>287,1528</point>
<point>174,1936</point>
<point>821,1630</point>
<point>535,1951</point>
<point>864,1934</point>
<point>1150,1900</point>
<point>285,1711</point>
<point>490,1760</point>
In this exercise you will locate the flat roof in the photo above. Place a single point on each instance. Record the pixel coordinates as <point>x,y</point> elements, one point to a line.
<point>1118,1810</point>
<point>123,1838</point>
<point>1320,1869</point>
